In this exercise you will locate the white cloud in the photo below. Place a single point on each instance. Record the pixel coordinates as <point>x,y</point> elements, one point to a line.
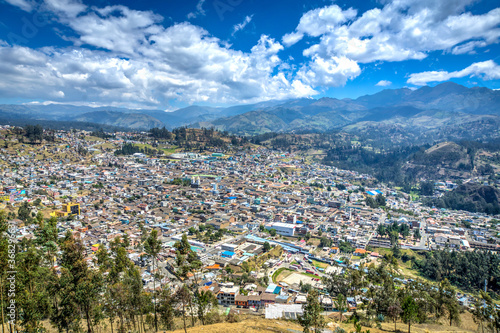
<point>68,8</point>
<point>23,4</point>
<point>292,38</point>
<point>199,10</point>
<point>126,57</point>
<point>400,30</point>
<point>242,25</point>
<point>333,72</point>
<point>383,83</point>
<point>468,47</point>
<point>488,70</point>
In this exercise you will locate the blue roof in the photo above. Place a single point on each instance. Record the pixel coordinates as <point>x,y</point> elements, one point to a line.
<point>228,253</point>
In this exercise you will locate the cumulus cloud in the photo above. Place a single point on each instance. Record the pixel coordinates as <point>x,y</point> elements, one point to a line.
<point>383,83</point>
<point>127,57</point>
<point>400,30</point>
<point>488,70</point>
<point>183,62</point>
<point>333,72</point>
<point>242,25</point>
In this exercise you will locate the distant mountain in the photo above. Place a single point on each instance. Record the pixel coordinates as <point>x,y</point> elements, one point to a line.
<point>430,110</point>
<point>134,121</point>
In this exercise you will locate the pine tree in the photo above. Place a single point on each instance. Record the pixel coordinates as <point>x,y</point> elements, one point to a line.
<point>152,247</point>
<point>311,319</point>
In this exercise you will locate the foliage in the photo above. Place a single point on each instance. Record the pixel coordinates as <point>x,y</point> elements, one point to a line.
<point>466,270</point>
<point>311,319</point>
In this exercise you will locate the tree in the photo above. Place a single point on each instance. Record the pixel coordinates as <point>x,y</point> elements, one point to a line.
<point>152,247</point>
<point>183,296</point>
<point>393,312</point>
<point>272,232</point>
<point>427,188</point>
<point>341,305</point>
<point>267,247</point>
<point>416,233</point>
<point>380,200</point>
<point>486,313</point>
<point>381,230</point>
<point>24,212</point>
<point>410,311</point>
<point>205,300</point>
<point>325,242</point>
<point>311,319</point>
<point>166,303</point>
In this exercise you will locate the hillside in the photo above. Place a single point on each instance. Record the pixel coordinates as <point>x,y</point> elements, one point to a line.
<point>134,121</point>
<point>470,197</point>
<point>447,111</point>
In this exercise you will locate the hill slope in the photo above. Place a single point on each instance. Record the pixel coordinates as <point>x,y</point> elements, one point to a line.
<point>135,121</point>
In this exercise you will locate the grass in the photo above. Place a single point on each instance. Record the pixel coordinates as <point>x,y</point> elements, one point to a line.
<point>278,272</point>
<point>249,323</point>
<point>320,264</point>
<point>311,275</point>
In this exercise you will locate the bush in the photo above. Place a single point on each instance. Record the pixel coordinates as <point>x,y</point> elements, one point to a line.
<point>232,318</point>
<point>339,330</point>
<point>213,317</point>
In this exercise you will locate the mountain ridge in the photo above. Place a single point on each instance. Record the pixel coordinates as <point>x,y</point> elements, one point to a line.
<point>423,108</point>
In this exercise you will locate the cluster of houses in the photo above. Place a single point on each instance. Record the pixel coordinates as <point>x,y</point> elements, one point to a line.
<point>247,195</point>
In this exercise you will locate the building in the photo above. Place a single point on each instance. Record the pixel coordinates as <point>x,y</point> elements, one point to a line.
<point>227,295</point>
<point>241,301</point>
<point>283,229</point>
<point>227,254</point>
<point>287,311</point>
<point>69,209</point>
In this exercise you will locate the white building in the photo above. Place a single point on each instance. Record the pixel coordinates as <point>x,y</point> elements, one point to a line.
<point>284,229</point>
<point>288,311</point>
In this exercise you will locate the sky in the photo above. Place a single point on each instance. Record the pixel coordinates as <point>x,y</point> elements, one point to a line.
<point>165,54</point>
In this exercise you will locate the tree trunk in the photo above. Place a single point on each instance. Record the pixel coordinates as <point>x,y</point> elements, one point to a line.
<point>395,330</point>
<point>89,328</point>
<point>184,316</point>
<point>409,323</point>
<point>154,295</point>
<point>111,321</point>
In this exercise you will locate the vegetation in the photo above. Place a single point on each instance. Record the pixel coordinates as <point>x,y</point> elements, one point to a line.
<point>470,197</point>
<point>466,270</point>
<point>130,149</point>
<point>312,320</point>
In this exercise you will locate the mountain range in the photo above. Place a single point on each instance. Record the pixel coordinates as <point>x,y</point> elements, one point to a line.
<point>426,111</point>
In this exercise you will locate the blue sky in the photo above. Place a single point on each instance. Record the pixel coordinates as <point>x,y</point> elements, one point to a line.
<point>168,54</point>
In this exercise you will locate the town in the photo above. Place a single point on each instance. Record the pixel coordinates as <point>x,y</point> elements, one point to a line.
<point>268,226</point>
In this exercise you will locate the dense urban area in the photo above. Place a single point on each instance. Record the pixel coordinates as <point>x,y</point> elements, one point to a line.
<point>143,232</point>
